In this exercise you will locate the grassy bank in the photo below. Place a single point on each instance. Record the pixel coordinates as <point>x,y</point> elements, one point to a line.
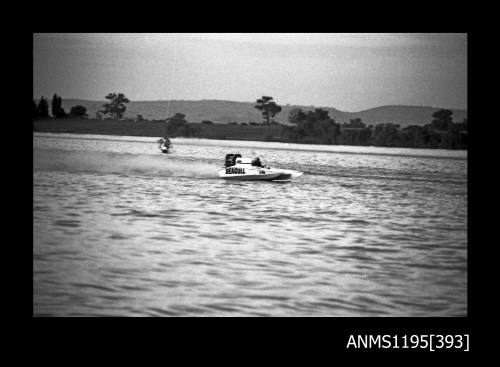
<point>155,129</point>
<point>101,127</point>
<point>239,132</point>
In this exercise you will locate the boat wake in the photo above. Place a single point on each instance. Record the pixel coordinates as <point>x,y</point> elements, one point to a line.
<point>120,163</point>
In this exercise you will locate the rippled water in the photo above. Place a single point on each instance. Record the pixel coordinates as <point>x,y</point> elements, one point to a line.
<point>121,229</point>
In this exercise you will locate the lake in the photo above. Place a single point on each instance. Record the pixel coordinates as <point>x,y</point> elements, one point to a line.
<point>120,229</point>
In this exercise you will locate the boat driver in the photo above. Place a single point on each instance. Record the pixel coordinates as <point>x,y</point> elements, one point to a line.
<point>256,162</point>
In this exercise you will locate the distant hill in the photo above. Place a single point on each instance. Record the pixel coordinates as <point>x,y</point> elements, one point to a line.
<point>225,111</point>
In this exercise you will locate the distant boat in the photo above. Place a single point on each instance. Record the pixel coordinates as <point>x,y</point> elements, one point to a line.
<point>165,144</point>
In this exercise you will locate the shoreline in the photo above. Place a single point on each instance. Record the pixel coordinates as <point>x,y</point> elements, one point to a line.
<point>317,148</point>
<point>270,133</point>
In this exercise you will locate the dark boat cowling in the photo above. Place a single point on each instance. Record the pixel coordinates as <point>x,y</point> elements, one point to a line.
<point>231,159</point>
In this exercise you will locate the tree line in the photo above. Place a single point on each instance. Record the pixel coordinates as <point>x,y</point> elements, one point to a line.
<point>317,127</point>
<point>41,110</point>
<point>313,127</point>
<point>115,108</point>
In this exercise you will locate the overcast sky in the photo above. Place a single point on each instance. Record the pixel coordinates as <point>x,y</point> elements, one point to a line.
<point>350,72</point>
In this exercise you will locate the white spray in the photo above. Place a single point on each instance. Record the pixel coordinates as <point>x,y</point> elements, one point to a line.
<point>119,163</point>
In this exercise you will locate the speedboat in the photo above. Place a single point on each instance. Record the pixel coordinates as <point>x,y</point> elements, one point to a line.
<point>165,144</point>
<point>238,168</point>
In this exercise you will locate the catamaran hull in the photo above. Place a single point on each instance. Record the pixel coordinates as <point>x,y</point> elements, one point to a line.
<point>251,177</point>
<point>268,176</point>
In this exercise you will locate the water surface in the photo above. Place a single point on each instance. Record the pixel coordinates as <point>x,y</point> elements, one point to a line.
<point>123,230</point>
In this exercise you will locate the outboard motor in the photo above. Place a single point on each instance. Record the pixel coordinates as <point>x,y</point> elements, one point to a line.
<point>228,160</point>
<point>231,159</point>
